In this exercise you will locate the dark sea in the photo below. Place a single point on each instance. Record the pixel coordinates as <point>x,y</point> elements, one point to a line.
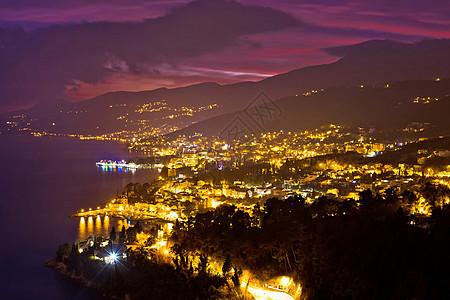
<point>43,181</point>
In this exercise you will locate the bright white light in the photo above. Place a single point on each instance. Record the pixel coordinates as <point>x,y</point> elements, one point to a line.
<point>285,281</point>
<point>214,204</point>
<point>113,257</point>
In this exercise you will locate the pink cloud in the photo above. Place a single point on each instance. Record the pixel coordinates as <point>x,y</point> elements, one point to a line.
<point>254,56</point>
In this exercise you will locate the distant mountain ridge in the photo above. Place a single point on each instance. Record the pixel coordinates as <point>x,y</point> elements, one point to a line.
<point>367,63</point>
<point>394,105</point>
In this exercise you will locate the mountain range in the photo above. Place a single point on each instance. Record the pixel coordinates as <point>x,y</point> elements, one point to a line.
<point>373,82</point>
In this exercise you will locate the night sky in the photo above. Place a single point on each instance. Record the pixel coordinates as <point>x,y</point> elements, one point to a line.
<point>67,50</point>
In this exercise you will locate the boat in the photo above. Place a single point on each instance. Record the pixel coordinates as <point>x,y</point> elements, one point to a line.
<point>116,164</point>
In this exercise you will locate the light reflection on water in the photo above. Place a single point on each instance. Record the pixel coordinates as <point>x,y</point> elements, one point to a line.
<point>90,225</point>
<point>38,173</point>
<point>100,225</point>
<point>82,227</point>
<point>106,221</point>
<point>111,169</point>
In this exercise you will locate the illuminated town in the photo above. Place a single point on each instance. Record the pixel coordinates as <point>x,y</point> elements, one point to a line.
<point>330,172</point>
<point>199,174</point>
<point>225,149</point>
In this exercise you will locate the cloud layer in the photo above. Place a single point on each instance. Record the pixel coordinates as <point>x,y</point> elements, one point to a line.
<point>37,65</point>
<point>152,43</point>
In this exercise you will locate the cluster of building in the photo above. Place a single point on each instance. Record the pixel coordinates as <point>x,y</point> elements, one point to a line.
<point>136,121</point>
<point>199,173</point>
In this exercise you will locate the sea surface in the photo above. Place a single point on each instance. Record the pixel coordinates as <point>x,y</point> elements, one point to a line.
<point>43,181</point>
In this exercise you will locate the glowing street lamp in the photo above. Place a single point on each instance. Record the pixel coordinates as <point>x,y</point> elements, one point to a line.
<point>113,257</point>
<point>285,280</point>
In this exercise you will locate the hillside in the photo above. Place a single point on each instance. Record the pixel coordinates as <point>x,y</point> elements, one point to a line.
<point>410,106</point>
<point>367,63</point>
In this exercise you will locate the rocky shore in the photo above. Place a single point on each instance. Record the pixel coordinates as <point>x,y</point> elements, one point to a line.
<point>61,268</point>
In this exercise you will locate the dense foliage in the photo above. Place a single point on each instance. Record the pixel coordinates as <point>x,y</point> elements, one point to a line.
<point>369,249</point>
<point>373,248</point>
<point>138,277</point>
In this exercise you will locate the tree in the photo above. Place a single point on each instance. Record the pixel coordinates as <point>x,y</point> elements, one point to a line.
<point>435,194</point>
<point>408,199</point>
<point>63,252</point>
<point>122,235</point>
<point>203,264</point>
<point>237,277</point>
<point>138,227</point>
<point>74,259</point>
<point>113,235</point>
<point>150,241</point>
<point>226,268</point>
<point>132,234</point>
<point>366,198</point>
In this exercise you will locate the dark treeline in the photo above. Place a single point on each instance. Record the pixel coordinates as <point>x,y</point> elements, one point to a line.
<point>366,249</point>
<point>140,278</point>
<point>136,192</point>
<point>142,274</point>
<point>252,173</point>
<point>372,248</point>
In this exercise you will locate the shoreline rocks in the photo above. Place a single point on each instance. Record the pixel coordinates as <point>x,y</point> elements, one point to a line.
<point>61,268</point>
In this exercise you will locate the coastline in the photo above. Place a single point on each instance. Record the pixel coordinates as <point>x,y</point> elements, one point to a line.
<point>38,173</point>
<point>61,268</point>
<point>74,277</point>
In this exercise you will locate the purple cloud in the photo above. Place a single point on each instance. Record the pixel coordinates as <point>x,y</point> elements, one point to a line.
<point>204,41</point>
<point>37,65</point>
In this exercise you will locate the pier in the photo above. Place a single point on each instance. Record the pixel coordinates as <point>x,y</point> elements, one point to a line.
<point>128,213</point>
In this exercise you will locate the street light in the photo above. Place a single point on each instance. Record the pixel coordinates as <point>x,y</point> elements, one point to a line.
<point>113,257</point>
